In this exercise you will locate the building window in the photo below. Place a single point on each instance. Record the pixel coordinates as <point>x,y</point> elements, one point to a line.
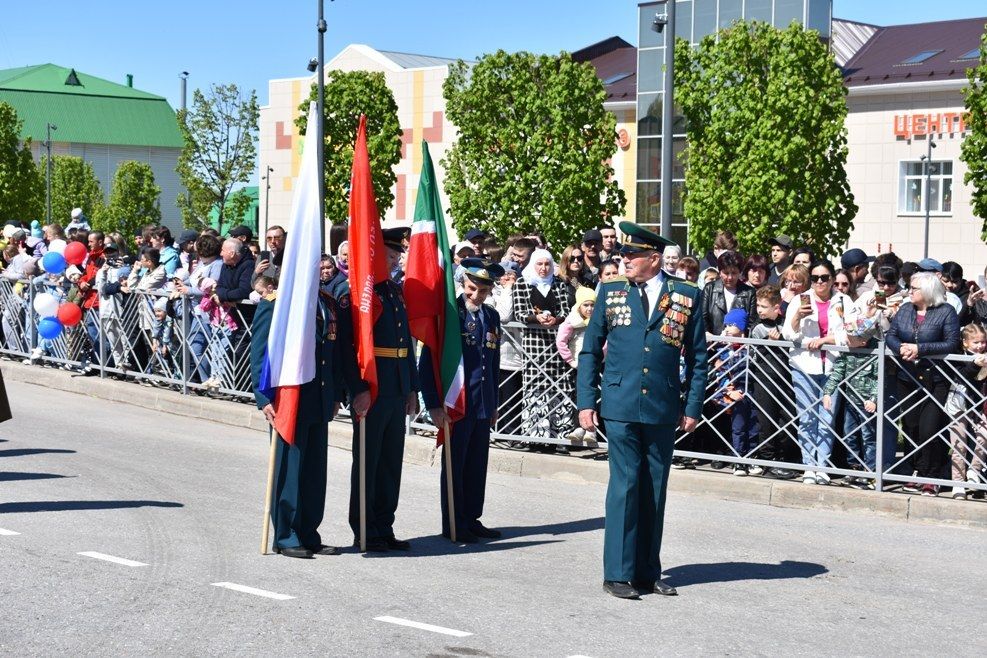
<point>912,192</point>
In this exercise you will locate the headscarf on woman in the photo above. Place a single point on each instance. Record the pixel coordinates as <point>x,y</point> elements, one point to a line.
<point>543,284</point>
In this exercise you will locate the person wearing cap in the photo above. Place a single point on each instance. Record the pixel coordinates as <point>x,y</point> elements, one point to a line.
<point>241,233</point>
<point>857,262</point>
<point>186,248</point>
<point>476,237</point>
<point>730,367</point>
<point>78,221</point>
<point>933,266</point>
<point>300,479</point>
<point>589,275</point>
<point>397,398</point>
<point>781,249</point>
<point>649,320</point>
<point>479,329</point>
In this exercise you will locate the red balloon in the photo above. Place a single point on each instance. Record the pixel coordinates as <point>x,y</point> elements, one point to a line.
<point>75,253</point>
<point>69,314</point>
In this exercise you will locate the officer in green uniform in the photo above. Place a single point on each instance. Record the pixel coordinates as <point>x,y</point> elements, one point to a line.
<point>648,320</point>
<point>300,469</point>
<point>397,398</point>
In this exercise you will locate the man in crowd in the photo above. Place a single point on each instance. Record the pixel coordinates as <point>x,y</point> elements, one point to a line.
<point>520,252</point>
<point>476,237</point>
<point>243,234</point>
<point>781,249</point>
<point>300,480</point>
<point>609,245</point>
<point>397,397</point>
<point>186,248</point>
<point>470,441</point>
<point>589,274</point>
<point>648,321</point>
<point>269,262</point>
<point>857,263</point>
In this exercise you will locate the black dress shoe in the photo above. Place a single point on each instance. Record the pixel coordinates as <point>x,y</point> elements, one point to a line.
<point>658,587</point>
<point>294,551</point>
<point>397,544</point>
<point>322,549</point>
<point>484,532</point>
<point>375,545</point>
<point>620,589</point>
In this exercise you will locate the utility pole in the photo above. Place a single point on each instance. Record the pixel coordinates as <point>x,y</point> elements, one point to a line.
<point>927,161</point>
<point>667,115</point>
<point>267,197</point>
<point>47,146</point>
<point>321,109</point>
<point>184,79</point>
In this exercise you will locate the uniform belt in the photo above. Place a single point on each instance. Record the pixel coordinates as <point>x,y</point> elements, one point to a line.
<point>391,352</point>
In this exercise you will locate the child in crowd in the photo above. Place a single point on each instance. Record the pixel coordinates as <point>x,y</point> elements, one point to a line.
<point>688,269</point>
<point>569,341</point>
<point>162,334</point>
<point>264,288</point>
<point>731,371</point>
<point>968,431</point>
<point>71,284</point>
<point>771,384</point>
<point>708,275</point>
<point>856,374</point>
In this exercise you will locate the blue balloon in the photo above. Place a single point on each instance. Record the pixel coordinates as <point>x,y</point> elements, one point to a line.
<point>49,328</point>
<point>54,262</point>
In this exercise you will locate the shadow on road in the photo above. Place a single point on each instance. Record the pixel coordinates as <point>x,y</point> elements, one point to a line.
<point>565,528</point>
<point>75,505</point>
<point>21,452</point>
<point>724,572</point>
<point>11,477</point>
<point>434,545</point>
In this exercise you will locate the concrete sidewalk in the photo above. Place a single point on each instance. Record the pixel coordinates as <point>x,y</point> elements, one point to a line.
<point>421,450</point>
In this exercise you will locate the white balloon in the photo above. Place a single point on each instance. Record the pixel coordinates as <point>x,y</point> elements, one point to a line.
<point>46,305</point>
<point>58,246</point>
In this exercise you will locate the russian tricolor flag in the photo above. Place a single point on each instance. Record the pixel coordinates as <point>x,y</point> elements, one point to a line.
<point>290,358</point>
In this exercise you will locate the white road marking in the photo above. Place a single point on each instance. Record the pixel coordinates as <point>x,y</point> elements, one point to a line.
<point>112,558</point>
<point>254,591</point>
<point>425,627</point>
<point>7,533</point>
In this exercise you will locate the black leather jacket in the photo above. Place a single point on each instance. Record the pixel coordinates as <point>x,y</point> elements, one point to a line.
<point>715,305</point>
<point>938,334</point>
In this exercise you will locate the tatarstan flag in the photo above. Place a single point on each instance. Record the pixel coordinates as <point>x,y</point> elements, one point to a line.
<point>430,293</point>
<point>368,262</point>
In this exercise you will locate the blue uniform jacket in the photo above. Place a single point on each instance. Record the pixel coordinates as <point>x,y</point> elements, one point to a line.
<point>334,359</point>
<point>641,372</point>
<point>394,376</point>
<point>480,337</point>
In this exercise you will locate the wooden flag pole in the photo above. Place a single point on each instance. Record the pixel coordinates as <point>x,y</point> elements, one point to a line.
<point>451,505</point>
<point>265,535</point>
<point>363,484</point>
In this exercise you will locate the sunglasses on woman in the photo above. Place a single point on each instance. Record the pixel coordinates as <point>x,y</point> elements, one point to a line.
<point>820,278</point>
<point>842,284</point>
<point>574,257</point>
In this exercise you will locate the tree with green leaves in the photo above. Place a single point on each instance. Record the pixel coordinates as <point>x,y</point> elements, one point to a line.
<point>349,94</point>
<point>135,200</point>
<point>974,149</point>
<point>73,185</point>
<point>21,189</point>
<point>219,153</point>
<point>534,147</point>
<point>767,142</point>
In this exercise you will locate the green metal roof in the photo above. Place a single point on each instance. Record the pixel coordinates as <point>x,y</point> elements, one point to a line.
<point>93,111</point>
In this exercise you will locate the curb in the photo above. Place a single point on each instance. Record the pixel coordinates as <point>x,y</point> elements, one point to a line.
<point>421,451</point>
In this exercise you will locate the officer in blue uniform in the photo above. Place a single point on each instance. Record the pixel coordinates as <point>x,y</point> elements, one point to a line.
<point>397,398</point>
<point>648,320</point>
<point>300,469</point>
<point>479,326</point>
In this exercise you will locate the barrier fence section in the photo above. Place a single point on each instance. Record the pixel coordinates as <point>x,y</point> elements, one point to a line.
<point>876,421</point>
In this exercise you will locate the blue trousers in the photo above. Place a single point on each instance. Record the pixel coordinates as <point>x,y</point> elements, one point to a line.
<point>385,452</point>
<point>640,459</point>
<point>470,446</point>
<point>815,436</point>
<point>300,487</point>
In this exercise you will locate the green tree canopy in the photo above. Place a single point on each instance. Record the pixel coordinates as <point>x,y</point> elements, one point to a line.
<point>974,149</point>
<point>220,135</point>
<point>534,147</point>
<point>766,154</point>
<point>134,200</point>
<point>348,95</point>
<point>73,185</point>
<point>21,191</point>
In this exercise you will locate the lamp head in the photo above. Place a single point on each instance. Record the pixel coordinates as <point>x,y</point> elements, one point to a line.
<point>659,23</point>
<point>313,64</point>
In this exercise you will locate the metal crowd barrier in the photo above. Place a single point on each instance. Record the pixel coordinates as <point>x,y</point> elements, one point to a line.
<point>870,449</point>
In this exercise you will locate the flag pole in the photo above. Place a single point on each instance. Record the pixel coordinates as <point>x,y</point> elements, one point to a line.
<point>363,484</point>
<point>447,453</point>
<point>265,534</point>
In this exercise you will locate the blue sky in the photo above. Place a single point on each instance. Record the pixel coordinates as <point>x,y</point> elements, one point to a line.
<point>261,40</point>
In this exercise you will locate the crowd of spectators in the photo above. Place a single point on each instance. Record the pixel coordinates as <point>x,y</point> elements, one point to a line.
<point>785,399</point>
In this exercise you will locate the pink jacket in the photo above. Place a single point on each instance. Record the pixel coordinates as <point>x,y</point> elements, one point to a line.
<point>218,315</point>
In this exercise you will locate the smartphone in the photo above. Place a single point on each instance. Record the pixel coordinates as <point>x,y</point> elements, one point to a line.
<point>805,299</point>
<point>880,299</point>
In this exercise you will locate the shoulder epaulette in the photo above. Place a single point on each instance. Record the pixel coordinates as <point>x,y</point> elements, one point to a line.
<point>618,279</point>
<point>271,296</point>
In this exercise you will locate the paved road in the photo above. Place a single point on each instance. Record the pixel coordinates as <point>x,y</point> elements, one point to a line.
<point>182,498</point>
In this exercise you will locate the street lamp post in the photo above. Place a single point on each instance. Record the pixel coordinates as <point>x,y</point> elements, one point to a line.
<point>267,196</point>
<point>47,146</point>
<point>666,23</point>
<point>184,86</point>
<point>927,161</point>
<point>320,108</point>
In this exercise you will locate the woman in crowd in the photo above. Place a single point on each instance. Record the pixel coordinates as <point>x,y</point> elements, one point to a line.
<point>569,268</point>
<point>541,301</point>
<point>755,272</point>
<point>207,266</point>
<point>813,320</point>
<point>844,282</point>
<point>803,256</point>
<point>927,326</point>
<point>147,277</point>
<point>794,281</point>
